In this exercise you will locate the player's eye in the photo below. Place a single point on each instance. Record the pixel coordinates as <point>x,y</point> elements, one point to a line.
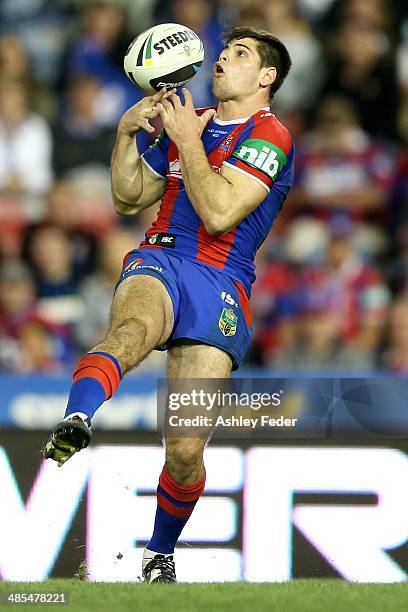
<point>242,53</point>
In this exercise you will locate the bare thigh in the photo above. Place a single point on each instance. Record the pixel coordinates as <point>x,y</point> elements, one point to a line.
<point>141,319</point>
<point>189,359</point>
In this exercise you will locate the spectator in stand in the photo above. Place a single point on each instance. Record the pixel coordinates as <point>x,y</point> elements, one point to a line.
<point>282,18</point>
<point>25,144</point>
<point>28,341</point>
<point>43,27</point>
<point>81,140</point>
<point>362,67</point>
<point>98,51</point>
<point>339,167</point>
<point>51,256</point>
<point>96,289</point>
<point>198,15</point>
<point>377,13</point>
<point>274,306</point>
<point>65,210</point>
<point>15,66</point>
<point>343,305</point>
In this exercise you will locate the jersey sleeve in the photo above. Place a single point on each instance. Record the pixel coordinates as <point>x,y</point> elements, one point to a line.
<point>155,157</point>
<point>262,151</point>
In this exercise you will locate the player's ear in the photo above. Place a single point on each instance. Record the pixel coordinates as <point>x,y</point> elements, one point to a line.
<point>268,76</point>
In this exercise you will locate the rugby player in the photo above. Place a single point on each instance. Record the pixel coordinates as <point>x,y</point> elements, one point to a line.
<point>222,176</point>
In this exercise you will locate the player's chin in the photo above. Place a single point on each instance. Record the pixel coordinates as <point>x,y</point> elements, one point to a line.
<point>219,91</point>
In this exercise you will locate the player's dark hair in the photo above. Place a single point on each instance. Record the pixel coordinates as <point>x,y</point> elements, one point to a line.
<point>272,52</point>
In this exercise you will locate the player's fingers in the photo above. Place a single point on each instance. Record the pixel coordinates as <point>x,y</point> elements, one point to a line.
<point>158,95</point>
<point>169,92</point>
<point>151,113</point>
<point>188,98</point>
<point>175,99</point>
<point>162,94</point>
<point>167,105</point>
<point>206,116</point>
<point>146,126</point>
<point>163,112</point>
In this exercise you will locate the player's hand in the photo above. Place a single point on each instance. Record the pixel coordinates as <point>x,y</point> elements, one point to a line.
<point>137,117</point>
<point>181,123</point>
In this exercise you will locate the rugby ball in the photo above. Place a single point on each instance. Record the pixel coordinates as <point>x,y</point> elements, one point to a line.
<point>167,55</point>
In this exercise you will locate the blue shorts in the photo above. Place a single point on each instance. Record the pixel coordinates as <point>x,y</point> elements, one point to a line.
<point>209,306</point>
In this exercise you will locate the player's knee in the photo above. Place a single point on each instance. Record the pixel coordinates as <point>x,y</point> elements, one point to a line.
<point>141,329</point>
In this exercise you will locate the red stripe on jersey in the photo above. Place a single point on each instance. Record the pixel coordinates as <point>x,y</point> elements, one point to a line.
<point>270,129</point>
<point>274,131</point>
<point>214,250</point>
<point>244,302</point>
<point>166,208</point>
<point>253,172</point>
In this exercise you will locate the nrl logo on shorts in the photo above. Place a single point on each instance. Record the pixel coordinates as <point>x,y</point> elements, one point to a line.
<point>228,322</point>
<point>153,238</point>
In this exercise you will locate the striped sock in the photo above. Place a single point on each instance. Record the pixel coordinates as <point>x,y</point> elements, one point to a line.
<point>96,378</point>
<point>175,503</point>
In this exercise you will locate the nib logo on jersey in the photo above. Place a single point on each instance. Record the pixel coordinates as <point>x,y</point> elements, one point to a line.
<point>261,154</point>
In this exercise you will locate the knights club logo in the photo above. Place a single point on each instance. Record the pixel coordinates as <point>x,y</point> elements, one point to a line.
<point>226,145</point>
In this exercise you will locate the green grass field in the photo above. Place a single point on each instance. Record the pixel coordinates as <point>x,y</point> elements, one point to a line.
<point>295,596</point>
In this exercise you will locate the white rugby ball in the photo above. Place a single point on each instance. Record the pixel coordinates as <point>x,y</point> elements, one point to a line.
<point>167,55</point>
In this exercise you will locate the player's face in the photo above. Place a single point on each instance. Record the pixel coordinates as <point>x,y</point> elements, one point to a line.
<point>237,72</point>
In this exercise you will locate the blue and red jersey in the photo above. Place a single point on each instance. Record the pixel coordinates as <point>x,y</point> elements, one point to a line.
<point>259,147</point>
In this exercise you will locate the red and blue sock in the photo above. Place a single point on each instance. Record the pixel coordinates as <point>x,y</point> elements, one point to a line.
<point>175,503</point>
<point>96,378</point>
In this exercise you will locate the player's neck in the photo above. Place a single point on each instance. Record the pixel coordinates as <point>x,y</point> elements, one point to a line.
<point>229,110</point>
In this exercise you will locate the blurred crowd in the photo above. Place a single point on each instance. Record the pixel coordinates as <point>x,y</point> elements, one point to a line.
<point>332,278</point>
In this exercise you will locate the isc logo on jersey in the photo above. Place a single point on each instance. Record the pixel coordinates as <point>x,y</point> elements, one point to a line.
<point>261,154</point>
